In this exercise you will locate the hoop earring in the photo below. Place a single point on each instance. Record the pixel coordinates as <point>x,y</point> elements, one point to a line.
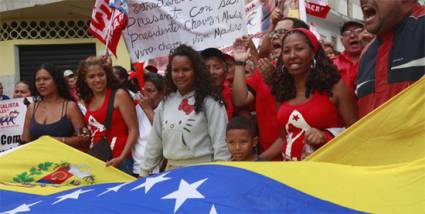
<point>313,65</point>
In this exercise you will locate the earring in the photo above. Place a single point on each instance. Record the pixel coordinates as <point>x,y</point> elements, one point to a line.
<point>313,65</point>
<point>283,68</point>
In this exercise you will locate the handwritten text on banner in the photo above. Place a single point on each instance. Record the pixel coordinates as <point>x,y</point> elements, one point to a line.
<point>157,26</point>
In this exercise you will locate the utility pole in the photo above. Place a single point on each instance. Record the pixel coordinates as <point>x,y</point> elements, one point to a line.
<point>350,8</point>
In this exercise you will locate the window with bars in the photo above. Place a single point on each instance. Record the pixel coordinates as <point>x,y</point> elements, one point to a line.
<point>44,29</point>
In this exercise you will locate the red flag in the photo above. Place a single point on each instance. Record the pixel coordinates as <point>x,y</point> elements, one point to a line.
<point>119,23</point>
<point>107,24</point>
<point>140,75</point>
<point>318,10</point>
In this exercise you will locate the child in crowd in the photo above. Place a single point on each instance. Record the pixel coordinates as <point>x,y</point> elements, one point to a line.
<point>241,139</point>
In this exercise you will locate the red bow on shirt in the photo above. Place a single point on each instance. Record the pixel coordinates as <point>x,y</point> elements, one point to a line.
<point>184,106</point>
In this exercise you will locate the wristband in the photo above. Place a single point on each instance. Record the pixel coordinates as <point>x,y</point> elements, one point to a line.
<point>240,63</point>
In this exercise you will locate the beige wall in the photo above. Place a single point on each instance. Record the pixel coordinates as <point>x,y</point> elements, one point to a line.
<point>9,64</point>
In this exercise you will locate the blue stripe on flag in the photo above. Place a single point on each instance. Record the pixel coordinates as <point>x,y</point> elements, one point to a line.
<point>196,189</point>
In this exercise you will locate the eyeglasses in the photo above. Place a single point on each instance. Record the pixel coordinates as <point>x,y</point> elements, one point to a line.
<point>355,31</point>
<point>279,32</point>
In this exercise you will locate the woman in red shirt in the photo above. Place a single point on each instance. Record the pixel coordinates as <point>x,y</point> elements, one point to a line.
<point>314,102</point>
<point>95,85</point>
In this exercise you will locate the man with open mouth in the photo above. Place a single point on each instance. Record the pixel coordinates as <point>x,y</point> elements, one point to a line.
<point>396,58</point>
<point>346,61</point>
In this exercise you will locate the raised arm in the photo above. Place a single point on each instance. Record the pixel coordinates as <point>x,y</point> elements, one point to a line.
<point>241,95</point>
<point>265,47</point>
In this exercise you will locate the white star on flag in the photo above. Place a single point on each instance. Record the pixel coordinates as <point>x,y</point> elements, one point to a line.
<point>213,210</point>
<point>185,191</point>
<point>115,189</point>
<point>150,182</point>
<point>20,209</point>
<point>72,195</point>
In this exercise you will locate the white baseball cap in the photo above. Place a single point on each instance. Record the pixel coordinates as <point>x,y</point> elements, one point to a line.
<point>68,73</point>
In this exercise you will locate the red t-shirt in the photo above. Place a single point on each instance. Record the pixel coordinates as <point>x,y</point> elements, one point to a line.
<point>265,105</point>
<point>318,112</point>
<point>226,95</point>
<point>117,133</point>
<point>347,69</point>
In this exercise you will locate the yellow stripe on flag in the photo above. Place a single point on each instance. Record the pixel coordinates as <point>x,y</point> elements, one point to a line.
<point>397,188</point>
<point>47,166</point>
<point>393,133</point>
<point>377,165</point>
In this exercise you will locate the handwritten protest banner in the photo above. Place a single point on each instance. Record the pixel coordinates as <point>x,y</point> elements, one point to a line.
<point>12,118</point>
<point>157,26</point>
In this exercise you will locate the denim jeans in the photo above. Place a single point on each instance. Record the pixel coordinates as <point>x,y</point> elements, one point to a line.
<point>127,166</point>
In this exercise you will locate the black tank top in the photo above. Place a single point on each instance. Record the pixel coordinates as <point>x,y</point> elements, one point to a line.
<point>61,128</point>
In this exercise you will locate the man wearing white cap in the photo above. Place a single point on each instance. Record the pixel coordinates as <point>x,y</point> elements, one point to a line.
<point>71,79</point>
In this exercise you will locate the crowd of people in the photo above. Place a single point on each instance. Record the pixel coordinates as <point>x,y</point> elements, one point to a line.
<point>279,102</point>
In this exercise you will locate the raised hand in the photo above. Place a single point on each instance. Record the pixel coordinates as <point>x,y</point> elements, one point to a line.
<point>266,69</point>
<point>240,50</point>
<point>277,15</point>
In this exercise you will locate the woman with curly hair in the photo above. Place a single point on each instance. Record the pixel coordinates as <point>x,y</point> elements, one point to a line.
<point>190,124</point>
<point>96,84</point>
<point>53,113</point>
<point>314,102</point>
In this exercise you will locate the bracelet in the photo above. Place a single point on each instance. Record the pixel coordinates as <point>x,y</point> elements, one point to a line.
<point>240,63</point>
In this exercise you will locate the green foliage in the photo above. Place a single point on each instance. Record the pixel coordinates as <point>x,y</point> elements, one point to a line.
<point>34,171</point>
<point>44,166</point>
<point>23,178</point>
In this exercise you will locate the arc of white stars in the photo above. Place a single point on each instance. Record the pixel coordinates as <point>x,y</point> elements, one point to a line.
<point>185,191</point>
<point>21,208</point>
<point>72,195</point>
<point>113,189</point>
<point>151,181</point>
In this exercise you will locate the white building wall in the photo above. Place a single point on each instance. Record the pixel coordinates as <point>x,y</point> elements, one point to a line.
<point>329,28</point>
<point>328,31</point>
<point>339,6</point>
<point>357,11</point>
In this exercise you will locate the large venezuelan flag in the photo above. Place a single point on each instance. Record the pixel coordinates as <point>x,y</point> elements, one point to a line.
<point>47,166</point>
<point>376,166</point>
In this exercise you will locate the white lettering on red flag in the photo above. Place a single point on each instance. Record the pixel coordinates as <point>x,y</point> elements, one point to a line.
<point>108,22</point>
